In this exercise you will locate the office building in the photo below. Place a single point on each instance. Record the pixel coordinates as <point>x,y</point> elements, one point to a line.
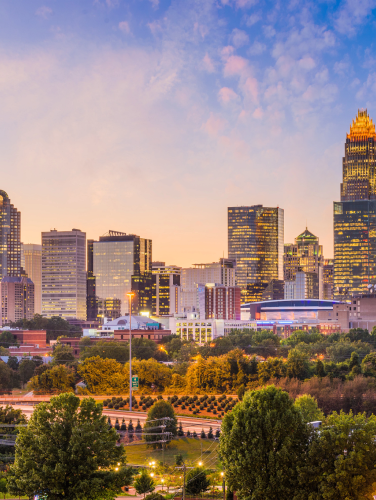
<point>217,301</point>
<point>17,299</point>
<point>222,272</point>
<point>304,256</point>
<point>255,242</point>
<point>91,298</point>
<point>120,263</point>
<point>108,309</point>
<point>360,312</point>
<point>31,262</point>
<point>166,289</point>
<point>328,283</point>
<point>64,274</point>
<point>10,238</point>
<point>355,214</point>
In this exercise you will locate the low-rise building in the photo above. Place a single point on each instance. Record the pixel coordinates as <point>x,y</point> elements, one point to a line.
<point>360,312</point>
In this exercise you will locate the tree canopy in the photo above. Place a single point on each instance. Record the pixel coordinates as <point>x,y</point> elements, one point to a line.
<point>154,432</point>
<point>67,450</point>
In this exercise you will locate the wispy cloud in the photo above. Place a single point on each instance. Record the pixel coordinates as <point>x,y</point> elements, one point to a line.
<point>124,27</point>
<point>44,12</point>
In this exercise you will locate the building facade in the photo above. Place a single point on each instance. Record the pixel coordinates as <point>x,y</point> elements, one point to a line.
<point>222,272</point>
<point>256,243</point>
<point>328,276</point>
<point>31,261</point>
<point>10,238</point>
<point>17,299</point>
<point>166,289</point>
<point>64,274</point>
<point>355,214</point>
<point>304,256</point>
<point>118,264</point>
<point>217,301</point>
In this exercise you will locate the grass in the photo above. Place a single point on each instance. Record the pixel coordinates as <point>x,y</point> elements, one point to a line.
<point>188,447</point>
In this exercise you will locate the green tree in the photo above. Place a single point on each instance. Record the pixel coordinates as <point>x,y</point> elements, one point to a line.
<point>160,410</point>
<point>144,483</point>
<point>106,350</point>
<point>3,486</point>
<point>6,377</point>
<point>26,370</point>
<point>13,362</point>
<point>297,365</point>
<point>263,441</point>
<point>341,459</point>
<point>62,355</point>
<point>271,368</point>
<point>308,407</point>
<point>369,365</point>
<point>197,481</point>
<point>341,351</point>
<point>7,339</point>
<point>13,417</point>
<point>54,380</point>
<point>68,451</point>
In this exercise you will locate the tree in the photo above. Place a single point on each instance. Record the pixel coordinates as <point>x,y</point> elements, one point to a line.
<point>7,339</point>
<point>144,483</point>
<point>10,416</point>
<point>26,370</point>
<point>13,362</point>
<point>68,451</point>
<point>341,351</point>
<point>271,368</point>
<point>197,481</point>
<point>297,365</point>
<point>341,459</point>
<point>104,376</point>
<point>160,410</point>
<point>62,354</point>
<point>369,365</point>
<point>6,377</point>
<point>3,486</point>
<point>54,380</point>
<point>262,443</point>
<point>308,408</point>
<point>106,350</point>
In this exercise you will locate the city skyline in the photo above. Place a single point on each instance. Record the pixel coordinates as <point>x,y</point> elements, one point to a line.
<point>209,104</point>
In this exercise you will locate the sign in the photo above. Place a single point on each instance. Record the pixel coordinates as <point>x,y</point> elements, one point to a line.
<point>135,382</point>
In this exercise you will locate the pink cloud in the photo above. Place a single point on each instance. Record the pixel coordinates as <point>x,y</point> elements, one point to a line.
<point>226,95</point>
<point>124,27</point>
<point>214,125</point>
<point>208,64</point>
<point>155,27</point>
<point>235,65</point>
<point>251,88</point>
<point>258,113</point>
<point>44,12</point>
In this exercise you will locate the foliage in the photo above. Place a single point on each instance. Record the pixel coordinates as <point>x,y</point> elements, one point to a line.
<point>308,408</point>
<point>263,441</point>
<point>62,354</point>
<point>106,350</point>
<point>197,481</point>
<point>55,326</point>
<point>144,483</point>
<point>271,368</point>
<point>7,339</point>
<point>6,377</point>
<point>160,409</point>
<point>53,380</point>
<point>68,451</point>
<point>341,351</point>
<point>3,486</point>
<point>104,376</point>
<point>341,459</point>
<point>26,370</point>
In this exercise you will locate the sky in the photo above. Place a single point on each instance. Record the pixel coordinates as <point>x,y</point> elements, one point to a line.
<point>152,117</point>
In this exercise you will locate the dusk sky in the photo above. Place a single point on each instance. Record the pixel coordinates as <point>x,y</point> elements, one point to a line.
<point>152,116</point>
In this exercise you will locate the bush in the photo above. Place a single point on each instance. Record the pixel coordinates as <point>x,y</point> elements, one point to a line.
<point>155,496</point>
<point>144,407</point>
<point>116,406</point>
<point>183,406</point>
<point>110,405</point>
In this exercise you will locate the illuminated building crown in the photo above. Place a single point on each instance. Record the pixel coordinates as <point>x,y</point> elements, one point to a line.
<point>362,128</point>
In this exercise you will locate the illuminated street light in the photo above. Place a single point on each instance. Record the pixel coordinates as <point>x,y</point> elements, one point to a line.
<point>130,295</point>
<point>200,464</point>
<point>152,474</point>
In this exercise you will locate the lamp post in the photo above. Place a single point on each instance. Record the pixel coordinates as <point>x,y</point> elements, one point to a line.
<point>223,485</point>
<point>130,295</point>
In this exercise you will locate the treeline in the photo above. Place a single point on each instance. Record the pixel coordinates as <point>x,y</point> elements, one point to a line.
<point>55,326</point>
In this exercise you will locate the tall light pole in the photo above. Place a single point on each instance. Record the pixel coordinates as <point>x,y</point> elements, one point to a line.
<point>130,295</point>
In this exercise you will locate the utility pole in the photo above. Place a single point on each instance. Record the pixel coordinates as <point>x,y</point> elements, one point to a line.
<point>130,295</point>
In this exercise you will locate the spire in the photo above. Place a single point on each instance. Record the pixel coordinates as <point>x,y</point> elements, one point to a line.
<point>362,128</point>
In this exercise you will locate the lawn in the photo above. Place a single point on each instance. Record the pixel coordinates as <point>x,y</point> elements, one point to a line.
<point>188,447</point>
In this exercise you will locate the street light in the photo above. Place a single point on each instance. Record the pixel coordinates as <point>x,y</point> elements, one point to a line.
<point>200,464</point>
<point>130,295</point>
<point>162,483</point>
<point>223,485</point>
<point>116,468</point>
<point>152,474</point>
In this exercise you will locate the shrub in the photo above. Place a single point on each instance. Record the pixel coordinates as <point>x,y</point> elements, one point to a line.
<point>183,406</point>
<point>144,407</point>
<point>154,496</point>
<point>110,405</point>
<point>116,406</point>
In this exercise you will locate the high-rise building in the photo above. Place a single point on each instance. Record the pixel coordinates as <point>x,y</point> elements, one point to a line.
<point>217,301</point>
<point>255,242</point>
<point>328,279</point>
<point>118,264</point>
<point>64,274</point>
<point>166,289</point>
<point>31,262</point>
<point>222,272</point>
<point>355,214</point>
<point>108,308</point>
<point>305,255</point>
<point>17,299</point>
<point>10,238</point>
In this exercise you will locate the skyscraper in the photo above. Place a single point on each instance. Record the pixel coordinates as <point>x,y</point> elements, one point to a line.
<point>328,279</point>
<point>117,264</point>
<point>10,238</point>
<point>166,289</point>
<point>355,214</point>
<point>64,274</point>
<point>17,299</point>
<point>31,260</point>
<point>255,242</point>
<point>305,256</point>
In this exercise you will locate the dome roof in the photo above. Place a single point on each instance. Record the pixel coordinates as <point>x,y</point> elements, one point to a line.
<point>306,235</point>
<point>4,195</point>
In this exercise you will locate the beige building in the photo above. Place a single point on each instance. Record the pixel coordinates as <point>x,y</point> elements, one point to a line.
<point>359,313</point>
<point>31,261</point>
<point>17,299</point>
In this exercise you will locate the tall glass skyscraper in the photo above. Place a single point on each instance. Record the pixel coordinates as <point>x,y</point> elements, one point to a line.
<point>117,264</point>
<point>10,238</point>
<point>355,214</point>
<point>64,274</point>
<point>31,260</point>
<point>255,242</point>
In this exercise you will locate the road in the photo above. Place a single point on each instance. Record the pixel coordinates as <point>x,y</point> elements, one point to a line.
<point>188,423</point>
